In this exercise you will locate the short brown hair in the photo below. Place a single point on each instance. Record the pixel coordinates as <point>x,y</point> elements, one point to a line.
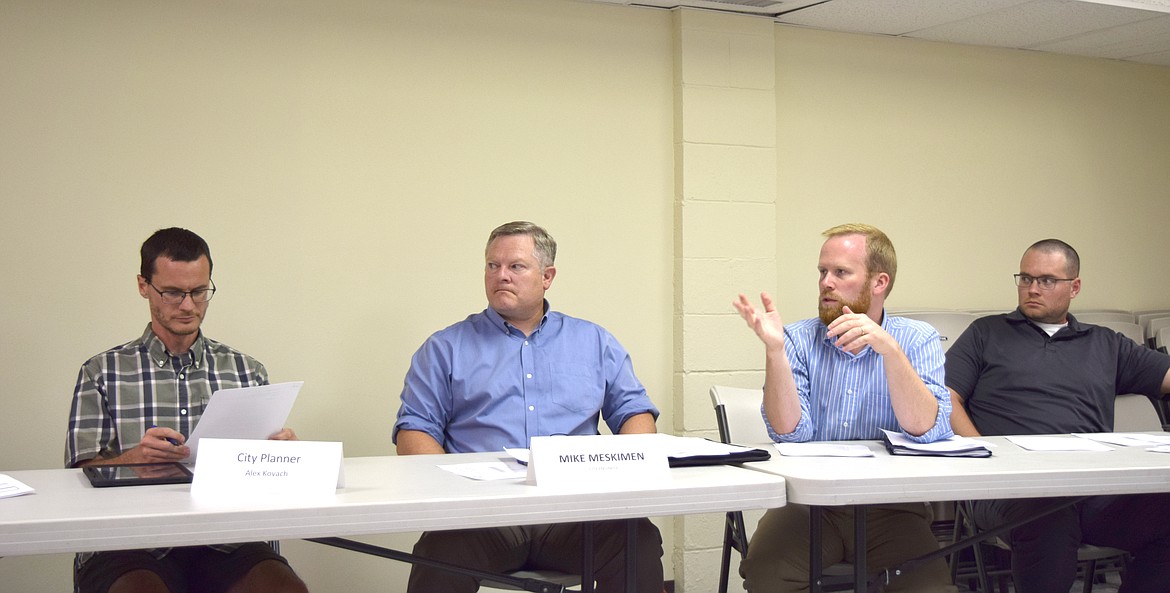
<point>545,247</point>
<point>1072,260</point>
<point>879,250</point>
<point>172,243</point>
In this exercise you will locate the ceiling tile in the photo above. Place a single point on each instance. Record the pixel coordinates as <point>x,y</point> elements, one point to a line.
<point>1032,23</point>
<point>890,17</point>
<point>1158,59</point>
<point>1123,41</point>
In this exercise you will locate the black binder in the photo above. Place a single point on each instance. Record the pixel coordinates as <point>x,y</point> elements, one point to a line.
<point>975,450</point>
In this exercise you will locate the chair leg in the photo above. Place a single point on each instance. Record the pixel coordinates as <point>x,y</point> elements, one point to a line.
<point>956,531</point>
<point>725,565</point>
<point>1090,574</point>
<point>962,516</point>
<point>734,538</point>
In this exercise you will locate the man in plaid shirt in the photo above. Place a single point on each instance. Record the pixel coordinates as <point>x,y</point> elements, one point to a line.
<point>137,402</point>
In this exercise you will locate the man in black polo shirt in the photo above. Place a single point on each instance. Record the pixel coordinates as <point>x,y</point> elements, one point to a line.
<point>1037,370</point>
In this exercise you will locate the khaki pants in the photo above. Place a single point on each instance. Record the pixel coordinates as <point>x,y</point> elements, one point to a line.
<point>777,560</point>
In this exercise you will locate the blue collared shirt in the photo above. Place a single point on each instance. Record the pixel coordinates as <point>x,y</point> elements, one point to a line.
<point>481,385</point>
<point>845,396</point>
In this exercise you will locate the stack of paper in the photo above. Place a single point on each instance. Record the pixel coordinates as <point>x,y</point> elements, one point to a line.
<point>12,487</point>
<point>956,446</point>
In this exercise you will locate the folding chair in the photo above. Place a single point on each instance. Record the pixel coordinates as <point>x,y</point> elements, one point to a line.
<point>1096,316</point>
<point>1152,327</point>
<point>1132,413</point>
<point>1089,557</point>
<point>949,324</point>
<point>737,413</point>
<point>1143,317</point>
<point>1130,330</point>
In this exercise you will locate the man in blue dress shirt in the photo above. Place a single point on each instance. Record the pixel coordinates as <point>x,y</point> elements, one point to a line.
<point>502,376</point>
<point>845,376</point>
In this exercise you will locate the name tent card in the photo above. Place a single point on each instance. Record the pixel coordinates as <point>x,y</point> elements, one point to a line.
<point>243,468</point>
<point>589,462</point>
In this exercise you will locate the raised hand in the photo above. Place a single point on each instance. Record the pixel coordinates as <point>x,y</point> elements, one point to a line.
<point>767,323</point>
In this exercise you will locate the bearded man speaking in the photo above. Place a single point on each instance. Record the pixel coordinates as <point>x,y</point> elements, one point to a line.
<point>845,376</point>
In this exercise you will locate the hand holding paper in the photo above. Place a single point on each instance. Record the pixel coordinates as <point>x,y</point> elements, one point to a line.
<point>246,413</point>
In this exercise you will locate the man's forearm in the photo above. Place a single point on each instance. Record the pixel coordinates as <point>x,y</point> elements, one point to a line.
<point>781,401</point>
<point>416,442</point>
<point>914,405</point>
<point>961,423</point>
<point>639,424</point>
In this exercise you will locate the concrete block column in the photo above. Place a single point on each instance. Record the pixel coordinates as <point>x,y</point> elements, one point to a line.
<point>725,233</point>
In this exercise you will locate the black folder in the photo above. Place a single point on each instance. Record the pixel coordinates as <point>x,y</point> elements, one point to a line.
<point>729,458</point>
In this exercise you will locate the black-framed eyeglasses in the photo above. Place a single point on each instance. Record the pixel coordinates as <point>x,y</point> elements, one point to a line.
<point>174,297</point>
<point>1044,282</point>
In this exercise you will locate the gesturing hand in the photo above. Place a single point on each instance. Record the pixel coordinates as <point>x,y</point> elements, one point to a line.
<point>767,323</point>
<point>854,331</point>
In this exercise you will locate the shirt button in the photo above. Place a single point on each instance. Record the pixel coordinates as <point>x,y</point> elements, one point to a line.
<point>529,375</point>
<point>845,424</point>
<point>183,411</point>
<point>182,375</point>
<point>531,408</point>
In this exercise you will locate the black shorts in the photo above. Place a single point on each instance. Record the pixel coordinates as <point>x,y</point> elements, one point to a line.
<point>195,569</point>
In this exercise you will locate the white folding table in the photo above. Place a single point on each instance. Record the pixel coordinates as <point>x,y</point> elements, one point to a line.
<point>1011,472</point>
<point>381,495</point>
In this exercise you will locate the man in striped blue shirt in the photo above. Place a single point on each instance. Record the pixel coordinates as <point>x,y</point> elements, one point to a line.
<point>844,376</point>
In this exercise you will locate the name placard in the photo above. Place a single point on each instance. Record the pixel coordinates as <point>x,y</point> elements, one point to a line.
<point>585,462</point>
<point>244,467</point>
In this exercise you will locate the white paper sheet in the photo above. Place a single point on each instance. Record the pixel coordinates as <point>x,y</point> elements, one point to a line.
<point>680,447</point>
<point>487,470</point>
<point>1126,439</point>
<point>822,450</point>
<point>1057,443</point>
<point>10,486</point>
<point>244,413</point>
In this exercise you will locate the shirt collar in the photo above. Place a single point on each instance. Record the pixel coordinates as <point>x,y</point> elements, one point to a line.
<point>507,328</point>
<point>158,351</point>
<point>1074,326</point>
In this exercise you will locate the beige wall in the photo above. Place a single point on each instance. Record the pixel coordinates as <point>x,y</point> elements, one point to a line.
<point>346,159</point>
<point>965,156</point>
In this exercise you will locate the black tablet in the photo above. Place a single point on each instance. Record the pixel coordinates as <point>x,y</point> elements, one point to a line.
<point>137,474</point>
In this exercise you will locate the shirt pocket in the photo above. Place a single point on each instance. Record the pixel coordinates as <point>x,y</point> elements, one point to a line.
<point>575,387</point>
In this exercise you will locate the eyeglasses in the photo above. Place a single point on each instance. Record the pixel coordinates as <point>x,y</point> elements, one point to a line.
<point>174,297</point>
<point>1044,282</point>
